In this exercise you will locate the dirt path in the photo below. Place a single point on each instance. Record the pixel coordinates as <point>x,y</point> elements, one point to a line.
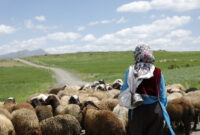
<point>62,76</point>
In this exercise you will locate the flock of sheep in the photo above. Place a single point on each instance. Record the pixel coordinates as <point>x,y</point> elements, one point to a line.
<point>90,109</point>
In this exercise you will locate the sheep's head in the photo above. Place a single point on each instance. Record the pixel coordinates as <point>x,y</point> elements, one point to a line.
<point>10,100</point>
<point>35,102</point>
<point>52,100</point>
<point>90,104</point>
<point>74,100</point>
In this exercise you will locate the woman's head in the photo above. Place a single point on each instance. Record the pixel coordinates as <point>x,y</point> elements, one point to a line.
<point>143,53</point>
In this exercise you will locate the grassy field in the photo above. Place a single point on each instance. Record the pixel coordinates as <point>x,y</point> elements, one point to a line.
<point>177,67</point>
<point>20,81</point>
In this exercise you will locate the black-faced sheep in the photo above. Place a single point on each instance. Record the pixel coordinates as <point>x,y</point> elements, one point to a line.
<point>96,121</point>
<point>60,125</point>
<point>181,110</point>
<point>25,122</point>
<point>54,102</point>
<point>117,84</point>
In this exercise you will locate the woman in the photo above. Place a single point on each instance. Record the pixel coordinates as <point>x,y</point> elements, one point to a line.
<point>146,80</point>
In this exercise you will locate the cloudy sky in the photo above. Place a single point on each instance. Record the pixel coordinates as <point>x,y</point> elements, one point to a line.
<point>65,26</point>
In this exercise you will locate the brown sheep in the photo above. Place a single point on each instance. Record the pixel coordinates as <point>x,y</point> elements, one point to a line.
<point>56,90</point>
<point>60,125</point>
<point>23,105</point>
<point>181,110</point>
<point>193,97</point>
<point>96,121</point>
<point>25,122</point>
<point>43,112</point>
<point>108,104</point>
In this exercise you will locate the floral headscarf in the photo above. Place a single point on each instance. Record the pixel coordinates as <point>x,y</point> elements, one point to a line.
<point>143,53</point>
<point>144,60</point>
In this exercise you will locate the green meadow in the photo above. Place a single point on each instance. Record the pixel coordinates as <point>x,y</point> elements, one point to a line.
<point>177,67</point>
<point>20,81</point>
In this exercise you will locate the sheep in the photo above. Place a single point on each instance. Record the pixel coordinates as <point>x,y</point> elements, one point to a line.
<point>190,90</point>
<point>181,110</point>
<point>22,105</point>
<point>67,92</point>
<point>99,94</point>
<point>6,113</point>
<point>174,95</point>
<point>122,114</point>
<point>43,112</point>
<point>25,122</point>
<point>10,100</point>
<point>74,100</point>
<point>60,125</point>
<point>107,104</point>
<point>72,109</point>
<point>193,97</point>
<point>6,126</point>
<point>54,102</point>
<point>64,100</point>
<point>40,96</point>
<point>175,86</point>
<point>100,87</point>
<point>56,90</point>
<point>96,121</point>
<point>9,103</point>
<point>117,84</point>
<point>113,93</point>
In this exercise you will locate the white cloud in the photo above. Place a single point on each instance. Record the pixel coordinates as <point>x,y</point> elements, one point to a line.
<point>175,5</point>
<point>4,29</point>
<point>30,25</point>
<point>61,36</point>
<point>161,34</point>
<point>139,6</point>
<point>121,20</point>
<point>166,33</point>
<point>93,23</point>
<point>40,18</point>
<point>89,37</point>
<point>198,17</point>
<point>81,28</point>
<point>105,21</point>
<point>40,42</point>
<point>179,33</point>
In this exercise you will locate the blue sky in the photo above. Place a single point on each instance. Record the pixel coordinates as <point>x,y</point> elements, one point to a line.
<point>67,26</point>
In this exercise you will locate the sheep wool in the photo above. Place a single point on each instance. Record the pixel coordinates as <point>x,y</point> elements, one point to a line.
<point>60,125</point>
<point>43,112</point>
<point>6,126</point>
<point>25,122</point>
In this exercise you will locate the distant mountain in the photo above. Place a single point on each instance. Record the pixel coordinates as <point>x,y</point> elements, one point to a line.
<point>23,53</point>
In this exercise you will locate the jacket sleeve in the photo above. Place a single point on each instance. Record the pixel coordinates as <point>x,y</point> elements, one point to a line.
<point>125,84</point>
<point>163,91</point>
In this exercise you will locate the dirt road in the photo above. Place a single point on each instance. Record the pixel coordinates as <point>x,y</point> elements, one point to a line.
<point>62,76</point>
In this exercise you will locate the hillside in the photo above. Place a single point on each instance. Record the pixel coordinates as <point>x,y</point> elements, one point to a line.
<point>177,67</point>
<point>23,53</point>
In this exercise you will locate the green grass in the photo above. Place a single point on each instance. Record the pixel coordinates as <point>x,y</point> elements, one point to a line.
<point>180,67</point>
<point>21,81</point>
